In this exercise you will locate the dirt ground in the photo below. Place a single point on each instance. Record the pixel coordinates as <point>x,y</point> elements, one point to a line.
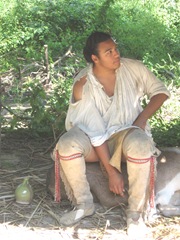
<point>23,155</point>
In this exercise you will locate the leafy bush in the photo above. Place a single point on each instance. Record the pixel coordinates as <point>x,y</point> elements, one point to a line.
<point>166,122</point>
<point>28,25</point>
<point>146,30</point>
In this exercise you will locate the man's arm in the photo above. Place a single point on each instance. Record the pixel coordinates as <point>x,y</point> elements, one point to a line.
<point>78,88</point>
<point>154,104</point>
<point>116,182</point>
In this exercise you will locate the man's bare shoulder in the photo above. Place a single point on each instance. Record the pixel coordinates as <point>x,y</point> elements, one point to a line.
<point>78,87</point>
<point>80,83</point>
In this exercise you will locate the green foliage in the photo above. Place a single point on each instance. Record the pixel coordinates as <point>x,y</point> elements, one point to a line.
<point>142,28</point>
<point>166,122</point>
<point>146,30</point>
<point>166,70</point>
<point>47,109</point>
<point>28,25</point>
<point>166,134</point>
<point>146,27</point>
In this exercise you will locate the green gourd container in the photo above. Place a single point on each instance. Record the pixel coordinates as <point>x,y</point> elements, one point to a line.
<point>24,193</point>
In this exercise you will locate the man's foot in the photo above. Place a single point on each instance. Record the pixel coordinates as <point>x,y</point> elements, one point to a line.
<point>136,228</point>
<point>78,213</point>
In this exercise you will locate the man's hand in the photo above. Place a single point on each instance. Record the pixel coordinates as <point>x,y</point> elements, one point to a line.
<point>116,183</point>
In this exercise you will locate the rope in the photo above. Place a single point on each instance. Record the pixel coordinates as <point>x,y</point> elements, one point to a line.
<point>57,195</point>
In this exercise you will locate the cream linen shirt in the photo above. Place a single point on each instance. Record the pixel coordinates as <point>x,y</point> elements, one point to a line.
<point>99,115</point>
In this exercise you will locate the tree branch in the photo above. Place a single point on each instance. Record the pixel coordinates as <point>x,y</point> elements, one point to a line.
<point>13,113</point>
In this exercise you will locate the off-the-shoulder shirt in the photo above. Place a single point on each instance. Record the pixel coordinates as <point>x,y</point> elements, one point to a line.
<point>99,115</point>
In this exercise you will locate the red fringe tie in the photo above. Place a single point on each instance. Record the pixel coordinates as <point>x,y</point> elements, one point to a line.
<point>152,176</point>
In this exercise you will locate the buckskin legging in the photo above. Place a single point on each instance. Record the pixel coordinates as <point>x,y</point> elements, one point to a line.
<point>74,147</point>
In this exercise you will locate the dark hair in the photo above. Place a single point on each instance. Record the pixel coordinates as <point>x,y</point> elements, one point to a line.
<point>92,42</point>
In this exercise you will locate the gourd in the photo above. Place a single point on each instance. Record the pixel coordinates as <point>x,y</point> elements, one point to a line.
<point>24,192</point>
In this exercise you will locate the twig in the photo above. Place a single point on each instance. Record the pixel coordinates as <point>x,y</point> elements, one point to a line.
<point>51,213</point>
<point>7,196</point>
<point>61,58</point>
<point>47,150</point>
<point>13,113</point>
<point>107,211</point>
<point>31,65</point>
<point>35,211</point>
<point>47,63</point>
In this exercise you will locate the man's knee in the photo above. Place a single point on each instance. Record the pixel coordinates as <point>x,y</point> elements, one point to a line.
<point>138,145</point>
<point>74,141</point>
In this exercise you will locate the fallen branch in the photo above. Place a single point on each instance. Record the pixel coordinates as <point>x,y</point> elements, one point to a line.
<point>35,211</point>
<point>15,114</point>
<point>7,196</point>
<point>61,58</point>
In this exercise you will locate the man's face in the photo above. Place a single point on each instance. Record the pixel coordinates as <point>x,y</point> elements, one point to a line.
<point>108,55</point>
